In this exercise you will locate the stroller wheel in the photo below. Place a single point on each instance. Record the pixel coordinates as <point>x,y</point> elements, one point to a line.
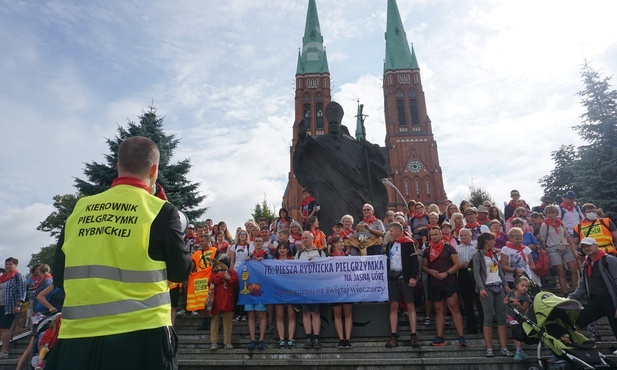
<point>534,367</point>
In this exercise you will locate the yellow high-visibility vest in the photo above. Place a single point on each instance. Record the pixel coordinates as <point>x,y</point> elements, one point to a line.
<point>112,286</point>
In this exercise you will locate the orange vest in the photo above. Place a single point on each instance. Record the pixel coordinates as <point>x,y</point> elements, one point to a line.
<point>319,239</point>
<point>199,281</point>
<point>598,230</point>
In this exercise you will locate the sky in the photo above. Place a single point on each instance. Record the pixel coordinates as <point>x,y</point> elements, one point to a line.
<point>500,80</point>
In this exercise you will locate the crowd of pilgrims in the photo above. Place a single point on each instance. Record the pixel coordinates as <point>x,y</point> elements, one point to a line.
<point>465,262</point>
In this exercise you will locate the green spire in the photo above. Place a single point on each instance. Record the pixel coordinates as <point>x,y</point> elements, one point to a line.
<point>398,55</point>
<point>312,59</point>
<point>360,133</point>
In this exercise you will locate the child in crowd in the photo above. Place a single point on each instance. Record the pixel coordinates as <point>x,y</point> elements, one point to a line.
<point>283,253</point>
<point>340,309</point>
<point>225,282</point>
<point>258,254</point>
<point>337,229</point>
<point>520,300</point>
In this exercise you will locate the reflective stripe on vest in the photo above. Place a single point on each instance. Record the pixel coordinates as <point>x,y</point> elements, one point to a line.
<point>113,273</point>
<point>112,285</point>
<point>114,308</point>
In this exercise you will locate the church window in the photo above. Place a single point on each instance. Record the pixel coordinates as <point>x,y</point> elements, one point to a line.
<point>428,189</point>
<point>413,107</point>
<point>400,107</point>
<point>417,190</point>
<point>406,189</point>
<point>319,116</point>
<point>307,114</point>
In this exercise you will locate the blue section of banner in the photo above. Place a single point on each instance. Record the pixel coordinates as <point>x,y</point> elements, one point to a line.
<point>323,280</point>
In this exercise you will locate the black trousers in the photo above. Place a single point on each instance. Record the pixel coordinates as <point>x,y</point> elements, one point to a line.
<point>144,349</point>
<point>599,306</point>
<point>467,287</point>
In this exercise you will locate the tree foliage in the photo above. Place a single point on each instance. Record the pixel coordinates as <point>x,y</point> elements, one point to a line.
<point>54,223</point>
<point>263,209</point>
<point>562,177</point>
<point>477,195</point>
<point>590,169</point>
<point>45,255</point>
<point>172,176</point>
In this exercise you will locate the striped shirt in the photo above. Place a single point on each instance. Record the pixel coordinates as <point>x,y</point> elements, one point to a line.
<point>465,252</point>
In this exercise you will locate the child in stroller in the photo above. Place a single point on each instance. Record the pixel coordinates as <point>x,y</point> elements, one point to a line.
<point>549,322</point>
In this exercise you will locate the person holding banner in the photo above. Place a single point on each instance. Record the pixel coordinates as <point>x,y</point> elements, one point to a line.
<point>340,309</point>
<point>199,281</point>
<point>258,254</point>
<point>283,253</point>
<point>402,278</point>
<point>311,318</point>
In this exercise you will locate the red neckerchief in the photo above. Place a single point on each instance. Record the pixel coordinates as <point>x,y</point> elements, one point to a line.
<point>296,237</point>
<point>489,253</point>
<point>410,214</point>
<point>259,253</point>
<point>404,239</point>
<point>420,216</point>
<point>285,257</point>
<point>457,229</point>
<point>512,204</point>
<point>337,254</point>
<point>370,220</point>
<point>568,207</point>
<point>555,224</point>
<point>130,181</point>
<point>472,226</point>
<point>306,201</point>
<point>345,234</point>
<point>222,247</point>
<point>498,234</point>
<point>591,264</point>
<point>519,249</point>
<point>6,276</point>
<point>483,222</point>
<point>435,250</point>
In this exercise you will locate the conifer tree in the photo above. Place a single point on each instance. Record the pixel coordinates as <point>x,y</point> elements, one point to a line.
<point>172,176</point>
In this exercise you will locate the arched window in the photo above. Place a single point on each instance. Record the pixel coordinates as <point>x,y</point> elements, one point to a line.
<point>413,107</point>
<point>400,108</point>
<point>417,190</point>
<point>319,116</point>
<point>307,114</point>
<point>428,189</point>
<point>406,189</point>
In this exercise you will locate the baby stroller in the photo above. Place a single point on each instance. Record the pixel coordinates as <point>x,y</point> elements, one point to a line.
<point>549,322</point>
<point>39,325</point>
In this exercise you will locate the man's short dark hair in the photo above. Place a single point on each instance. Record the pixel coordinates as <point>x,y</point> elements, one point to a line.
<point>137,154</point>
<point>397,226</point>
<point>14,260</point>
<point>307,190</point>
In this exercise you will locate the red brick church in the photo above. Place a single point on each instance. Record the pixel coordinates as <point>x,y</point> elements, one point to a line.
<point>410,149</point>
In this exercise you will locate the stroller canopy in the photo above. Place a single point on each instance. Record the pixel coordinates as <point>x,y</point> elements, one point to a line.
<point>545,302</point>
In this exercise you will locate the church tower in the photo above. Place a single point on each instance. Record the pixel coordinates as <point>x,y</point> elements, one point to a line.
<point>311,98</point>
<point>410,146</point>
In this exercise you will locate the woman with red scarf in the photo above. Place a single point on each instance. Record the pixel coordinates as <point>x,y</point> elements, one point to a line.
<point>555,238</point>
<point>515,257</point>
<point>500,238</point>
<point>295,236</point>
<point>418,224</point>
<point>14,290</point>
<point>221,244</point>
<point>319,238</point>
<point>492,288</point>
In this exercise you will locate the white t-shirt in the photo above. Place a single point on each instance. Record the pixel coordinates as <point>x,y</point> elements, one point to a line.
<point>241,253</point>
<point>516,260</point>
<point>492,270</point>
<point>395,257</point>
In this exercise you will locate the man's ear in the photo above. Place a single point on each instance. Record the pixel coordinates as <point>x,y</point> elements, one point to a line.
<point>153,170</point>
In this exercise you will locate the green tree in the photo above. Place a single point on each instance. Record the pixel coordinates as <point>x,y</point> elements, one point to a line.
<point>172,176</point>
<point>477,195</point>
<point>596,174</point>
<point>54,223</point>
<point>589,170</point>
<point>45,255</point>
<point>563,177</point>
<point>263,209</point>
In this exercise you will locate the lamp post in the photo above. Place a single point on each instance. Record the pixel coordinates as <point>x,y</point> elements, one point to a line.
<point>385,181</point>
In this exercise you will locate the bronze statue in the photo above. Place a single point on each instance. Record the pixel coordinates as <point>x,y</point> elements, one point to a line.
<point>343,172</point>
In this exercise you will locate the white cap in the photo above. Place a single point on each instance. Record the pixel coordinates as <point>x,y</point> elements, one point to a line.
<point>587,241</point>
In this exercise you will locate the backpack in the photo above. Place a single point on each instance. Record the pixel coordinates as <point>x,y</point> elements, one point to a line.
<point>321,253</point>
<point>543,266</point>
